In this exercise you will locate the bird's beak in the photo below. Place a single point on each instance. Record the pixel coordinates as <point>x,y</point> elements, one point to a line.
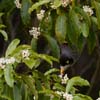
<point>62,70</point>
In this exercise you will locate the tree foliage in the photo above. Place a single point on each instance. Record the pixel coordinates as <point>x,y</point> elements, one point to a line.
<point>33,31</point>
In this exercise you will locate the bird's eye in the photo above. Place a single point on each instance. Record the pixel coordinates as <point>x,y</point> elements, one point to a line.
<point>67,62</point>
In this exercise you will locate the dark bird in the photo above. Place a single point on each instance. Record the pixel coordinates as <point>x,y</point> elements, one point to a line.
<point>66,57</point>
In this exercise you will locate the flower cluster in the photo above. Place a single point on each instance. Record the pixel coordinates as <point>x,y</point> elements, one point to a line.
<point>65,95</point>
<point>59,93</point>
<point>17,3</point>
<point>65,3</point>
<point>33,97</point>
<point>64,79</point>
<point>35,32</point>
<point>98,99</point>
<point>5,61</point>
<point>68,96</point>
<point>25,54</point>
<point>88,10</point>
<point>40,15</point>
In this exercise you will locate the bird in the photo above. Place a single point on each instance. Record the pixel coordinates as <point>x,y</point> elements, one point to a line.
<point>66,57</point>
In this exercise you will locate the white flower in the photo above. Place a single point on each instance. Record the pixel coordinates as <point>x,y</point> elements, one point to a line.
<point>60,76</point>
<point>60,93</point>
<point>65,3</point>
<point>2,60</point>
<point>64,79</point>
<point>98,99</point>
<point>5,61</point>
<point>88,10</point>
<point>40,15</point>
<point>10,60</point>
<point>67,96</point>
<point>2,63</point>
<point>35,32</point>
<point>34,98</point>
<point>25,54</point>
<point>51,97</point>
<point>17,3</point>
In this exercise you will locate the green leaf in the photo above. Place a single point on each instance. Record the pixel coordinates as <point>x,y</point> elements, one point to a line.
<point>76,81</point>
<point>30,82</point>
<point>61,28</point>
<point>32,63</point>
<point>34,44</point>
<point>75,22</point>
<point>4,34</point>
<point>1,14</point>
<point>46,24</point>
<point>7,93</point>
<point>81,97</point>
<point>84,29</point>
<point>48,58</point>
<point>38,84</point>
<point>24,11</point>
<point>8,74</point>
<point>97,7</point>
<point>71,35</point>
<point>54,46</point>
<point>80,43</point>
<point>17,50</point>
<point>6,5</point>
<point>57,3</point>
<point>2,26</point>
<point>12,46</point>
<point>17,93</point>
<point>36,5</point>
<point>59,87</point>
<point>94,20</point>
<point>47,91</point>
<point>4,97</point>
<point>91,41</point>
<point>84,25</point>
<point>83,15</point>
<point>51,71</point>
<point>56,78</point>
<point>73,27</point>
